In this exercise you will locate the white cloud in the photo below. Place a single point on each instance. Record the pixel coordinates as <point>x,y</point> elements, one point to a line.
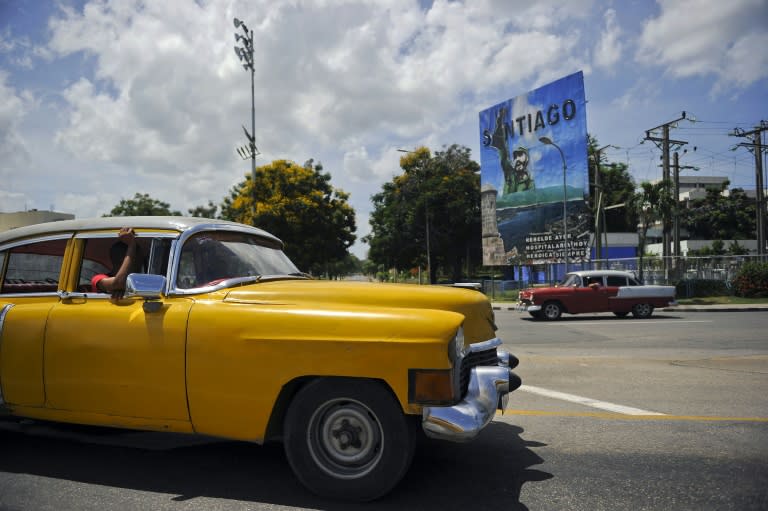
<point>609,48</point>
<point>706,37</point>
<point>357,165</point>
<point>13,150</point>
<point>743,64</point>
<point>641,95</point>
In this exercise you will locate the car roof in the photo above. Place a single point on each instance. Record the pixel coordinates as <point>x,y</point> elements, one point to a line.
<point>174,223</point>
<point>608,273</point>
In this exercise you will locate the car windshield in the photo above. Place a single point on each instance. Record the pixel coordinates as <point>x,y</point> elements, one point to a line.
<point>208,258</point>
<point>570,280</point>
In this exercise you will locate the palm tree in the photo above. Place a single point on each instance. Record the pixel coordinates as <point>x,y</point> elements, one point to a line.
<point>651,202</point>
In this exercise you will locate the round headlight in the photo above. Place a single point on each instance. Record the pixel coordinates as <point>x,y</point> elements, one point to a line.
<point>458,344</point>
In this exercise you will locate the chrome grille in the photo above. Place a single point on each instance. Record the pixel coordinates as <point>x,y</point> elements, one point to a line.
<point>473,359</point>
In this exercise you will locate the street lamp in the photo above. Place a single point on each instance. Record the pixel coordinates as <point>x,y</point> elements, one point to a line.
<point>676,194</point>
<point>426,222</point>
<point>600,228</point>
<point>548,141</point>
<point>245,54</point>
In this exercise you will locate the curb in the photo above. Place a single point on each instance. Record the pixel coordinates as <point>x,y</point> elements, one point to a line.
<point>678,308</point>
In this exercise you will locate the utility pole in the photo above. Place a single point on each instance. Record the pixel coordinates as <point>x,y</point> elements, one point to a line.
<point>676,213</point>
<point>756,147</point>
<point>600,226</point>
<point>665,144</point>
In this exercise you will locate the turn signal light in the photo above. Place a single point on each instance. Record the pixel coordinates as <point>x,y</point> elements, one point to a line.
<point>431,386</point>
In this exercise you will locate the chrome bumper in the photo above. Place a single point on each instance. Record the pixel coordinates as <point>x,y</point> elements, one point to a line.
<point>524,307</point>
<point>487,391</point>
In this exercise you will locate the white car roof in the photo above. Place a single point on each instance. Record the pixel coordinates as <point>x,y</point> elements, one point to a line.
<point>600,273</point>
<point>174,223</point>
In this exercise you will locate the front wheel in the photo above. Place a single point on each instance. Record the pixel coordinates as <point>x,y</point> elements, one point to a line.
<point>551,310</point>
<point>642,310</point>
<point>348,438</point>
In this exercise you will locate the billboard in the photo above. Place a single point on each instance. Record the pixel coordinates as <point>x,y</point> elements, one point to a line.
<point>525,182</point>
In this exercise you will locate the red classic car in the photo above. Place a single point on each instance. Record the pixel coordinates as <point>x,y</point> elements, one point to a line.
<point>595,291</point>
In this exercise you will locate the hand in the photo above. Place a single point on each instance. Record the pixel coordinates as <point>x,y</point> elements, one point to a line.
<point>126,235</point>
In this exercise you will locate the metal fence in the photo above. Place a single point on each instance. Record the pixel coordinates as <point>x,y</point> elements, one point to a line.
<point>653,270</point>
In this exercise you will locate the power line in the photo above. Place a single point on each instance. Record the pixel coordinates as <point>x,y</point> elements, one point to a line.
<point>755,146</point>
<point>666,145</point>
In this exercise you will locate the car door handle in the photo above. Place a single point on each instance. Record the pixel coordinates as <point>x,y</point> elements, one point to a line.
<point>68,295</point>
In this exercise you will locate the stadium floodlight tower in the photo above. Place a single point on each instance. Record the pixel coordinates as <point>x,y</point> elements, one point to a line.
<point>245,54</point>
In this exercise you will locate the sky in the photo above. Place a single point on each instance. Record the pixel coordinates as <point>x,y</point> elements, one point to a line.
<point>100,100</point>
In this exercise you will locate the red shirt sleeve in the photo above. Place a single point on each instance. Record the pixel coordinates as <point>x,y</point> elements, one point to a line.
<point>95,281</point>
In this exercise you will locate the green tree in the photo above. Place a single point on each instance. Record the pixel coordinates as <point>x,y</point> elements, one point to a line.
<point>297,204</point>
<point>349,265</point>
<point>438,194</point>
<point>737,249</point>
<point>208,211</point>
<point>617,186</point>
<point>719,216</point>
<point>142,205</point>
<point>649,203</point>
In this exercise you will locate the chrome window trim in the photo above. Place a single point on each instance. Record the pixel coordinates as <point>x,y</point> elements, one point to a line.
<point>187,227</point>
<point>3,313</point>
<point>171,235</point>
<point>145,234</point>
<point>178,244</point>
<point>28,241</point>
<point>37,295</point>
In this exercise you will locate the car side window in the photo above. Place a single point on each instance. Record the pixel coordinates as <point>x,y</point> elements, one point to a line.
<point>2,266</point>
<point>154,252</point>
<point>205,259</point>
<point>34,267</point>
<point>617,281</point>
<point>95,261</point>
<point>159,255</point>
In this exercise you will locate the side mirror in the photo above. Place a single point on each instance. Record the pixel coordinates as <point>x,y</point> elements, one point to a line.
<point>145,285</point>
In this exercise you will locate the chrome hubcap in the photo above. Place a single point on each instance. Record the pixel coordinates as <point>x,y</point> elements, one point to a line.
<point>345,439</point>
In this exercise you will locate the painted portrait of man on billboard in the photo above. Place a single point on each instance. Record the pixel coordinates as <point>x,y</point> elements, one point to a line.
<point>517,176</point>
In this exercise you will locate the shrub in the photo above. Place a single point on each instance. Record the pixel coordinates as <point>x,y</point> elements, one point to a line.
<point>752,280</point>
<point>691,288</point>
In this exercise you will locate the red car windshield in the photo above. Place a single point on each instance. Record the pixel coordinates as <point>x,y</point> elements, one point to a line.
<point>570,280</point>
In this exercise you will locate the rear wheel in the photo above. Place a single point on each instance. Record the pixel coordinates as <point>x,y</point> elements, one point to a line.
<point>348,438</point>
<point>642,310</point>
<point>551,310</point>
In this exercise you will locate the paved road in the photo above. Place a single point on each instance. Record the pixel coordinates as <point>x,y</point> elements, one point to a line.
<point>665,413</point>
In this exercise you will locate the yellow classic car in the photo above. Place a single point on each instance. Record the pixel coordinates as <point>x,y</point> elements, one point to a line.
<point>220,334</point>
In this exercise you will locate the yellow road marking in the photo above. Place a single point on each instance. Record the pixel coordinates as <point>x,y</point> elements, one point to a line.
<point>623,417</point>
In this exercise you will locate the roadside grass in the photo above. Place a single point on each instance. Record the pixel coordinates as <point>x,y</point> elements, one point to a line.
<point>720,300</point>
<point>704,300</point>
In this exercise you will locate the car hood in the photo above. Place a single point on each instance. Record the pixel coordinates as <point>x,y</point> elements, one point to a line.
<point>473,305</point>
<point>544,290</point>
